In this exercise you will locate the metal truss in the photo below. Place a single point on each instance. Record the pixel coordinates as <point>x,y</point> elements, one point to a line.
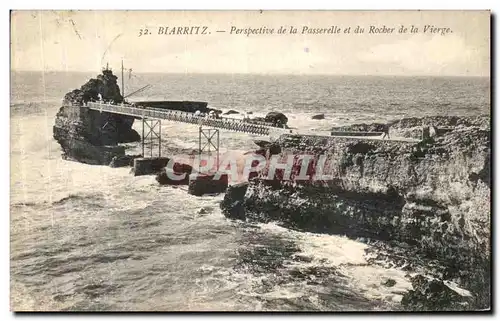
<point>151,130</point>
<point>208,135</point>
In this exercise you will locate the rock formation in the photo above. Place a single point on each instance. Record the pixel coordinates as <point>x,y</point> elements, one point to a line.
<point>374,127</point>
<point>318,116</point>
<point>433,195</point>
<point>434,295</point>
<point>123,161</point>
<point>178,169</point>
<point>89,136</point>
<point>277,118</point>
<point>412,127</point>
<point>231,112</point>
<point>201,184</point>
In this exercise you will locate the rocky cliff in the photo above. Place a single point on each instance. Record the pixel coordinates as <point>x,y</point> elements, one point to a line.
<point>89,136</point>
<point>433,196</point>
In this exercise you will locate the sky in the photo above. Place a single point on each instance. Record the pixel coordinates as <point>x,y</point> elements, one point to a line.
<point>87,40</point>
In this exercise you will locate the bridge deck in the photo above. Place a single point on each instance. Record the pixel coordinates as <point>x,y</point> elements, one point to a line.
<point>256,128</point>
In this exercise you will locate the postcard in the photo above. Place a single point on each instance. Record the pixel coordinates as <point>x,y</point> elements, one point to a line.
<point>241,161</point>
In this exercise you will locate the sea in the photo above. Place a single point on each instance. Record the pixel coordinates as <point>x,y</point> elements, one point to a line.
<point>94,238</point>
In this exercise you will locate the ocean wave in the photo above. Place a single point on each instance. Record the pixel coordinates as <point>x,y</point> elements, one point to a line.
<point>84,224</point>
<point>28,204</point>
<point>81,197</point>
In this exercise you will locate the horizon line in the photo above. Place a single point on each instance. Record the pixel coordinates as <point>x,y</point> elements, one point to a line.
<point>259,73</point>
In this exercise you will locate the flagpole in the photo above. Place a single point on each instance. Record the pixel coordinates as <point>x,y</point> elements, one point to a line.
<point>123,83</point>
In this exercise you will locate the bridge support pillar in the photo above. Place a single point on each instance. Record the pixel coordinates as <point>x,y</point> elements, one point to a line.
<point>151,131</point>
<point>210,138</point>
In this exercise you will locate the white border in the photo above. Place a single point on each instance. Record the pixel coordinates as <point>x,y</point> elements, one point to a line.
<point>260,4</point>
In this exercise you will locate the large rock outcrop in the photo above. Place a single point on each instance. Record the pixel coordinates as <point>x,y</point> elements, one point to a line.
<point>433,195</point>
<point>277,118</point>
<point>374,127</point>
<point>412,127</point>
<point>89,136</point>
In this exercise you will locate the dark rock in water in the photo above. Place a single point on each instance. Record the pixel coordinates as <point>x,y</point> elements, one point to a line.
<point>362,240</point>
<point>169,177</point>
<point>262,143</point>
<point>182,168</point>
<point>231,112</point>
<point>389,283</point>
<point>302,258</point>
<point>274,148</point>
<point>149,166</point>
<point>277,118</point>
<point>249,112</point>
<point>201,184</point>
<point>233,203</point>
<point>89,136</point>
<point>433,295</point>
<point>205,210</point>
<point>122,161</point>
<point>267,148</point>
<point>319,116</point>
<point>178,175</point>
<point>93,127</point>
<point>259,119</point>
<point>270,122</point>
<point>84,152</point>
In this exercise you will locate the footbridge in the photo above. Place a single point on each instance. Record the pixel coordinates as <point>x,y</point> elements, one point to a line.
<point>208,127</point>
<point>236,125</point>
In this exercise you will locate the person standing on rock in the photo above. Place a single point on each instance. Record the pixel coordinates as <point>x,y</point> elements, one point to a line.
<point>99,96</point>
<point>386,132</point>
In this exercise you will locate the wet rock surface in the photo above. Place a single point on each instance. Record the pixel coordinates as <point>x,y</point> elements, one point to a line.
<point>123,161</point>
<point>178,175</point>
<point>434,295</point>
<point>233,202</point>
<point>89,136</point>
<point>318,117</point>
<point>231,112</point>
<point>104,84</point>
<point>412,127</point>
<point>149,165</point>
<point>276,118</point>
<point>374,127</point>
<point>202,184</point>
<point>429,199</point>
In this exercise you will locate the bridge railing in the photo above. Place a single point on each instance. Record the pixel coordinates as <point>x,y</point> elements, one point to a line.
<point>185,117</point>
<point>228,119</point>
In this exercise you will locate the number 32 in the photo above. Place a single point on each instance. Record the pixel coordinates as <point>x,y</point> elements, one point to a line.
<point>143,32</point>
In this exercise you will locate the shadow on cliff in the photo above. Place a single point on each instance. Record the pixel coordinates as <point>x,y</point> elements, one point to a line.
<point>432,196</point>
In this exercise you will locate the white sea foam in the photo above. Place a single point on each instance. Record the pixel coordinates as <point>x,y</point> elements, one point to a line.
<point>80,231</point>
<point>348,256</point>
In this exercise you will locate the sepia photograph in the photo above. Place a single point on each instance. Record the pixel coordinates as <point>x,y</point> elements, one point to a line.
<point>251,160</point>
